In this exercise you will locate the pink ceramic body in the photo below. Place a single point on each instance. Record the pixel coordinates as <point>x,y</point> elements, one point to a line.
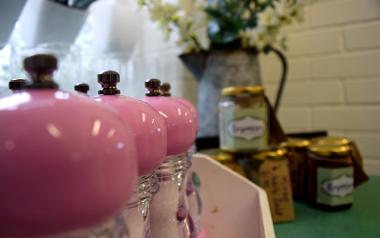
<point>148,128</point>
<point>66,162</point>
<point>180,125</point>
<point>193,110</point>
<point>202,234</point>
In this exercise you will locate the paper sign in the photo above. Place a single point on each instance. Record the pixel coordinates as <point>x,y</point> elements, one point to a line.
<point>275,180</point>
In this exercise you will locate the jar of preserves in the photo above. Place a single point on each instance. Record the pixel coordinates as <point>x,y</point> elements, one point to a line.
<point>243,114</point>
<point>360,176</point>
<point>297,157</point>
<point>338,140</point>
<point>227,160</point>
<point>269,169</point>
<point>330,177</point>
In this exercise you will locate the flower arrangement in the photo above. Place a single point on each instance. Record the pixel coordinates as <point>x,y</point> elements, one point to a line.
<point>224,24</point>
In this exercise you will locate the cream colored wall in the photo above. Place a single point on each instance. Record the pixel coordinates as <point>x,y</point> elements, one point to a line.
<point>334,78</point>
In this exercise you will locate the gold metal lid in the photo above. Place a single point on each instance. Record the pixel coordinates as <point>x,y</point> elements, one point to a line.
<point>223,157</point>
<point>234,91</point>
<point>332,140</point>
<point>295,143</point>
<point>330,150</point>
<point>270,154</point>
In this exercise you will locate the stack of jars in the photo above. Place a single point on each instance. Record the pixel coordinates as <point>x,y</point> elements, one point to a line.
<point>325,171</point>
<point>108,166</point>
<point>246,135</point>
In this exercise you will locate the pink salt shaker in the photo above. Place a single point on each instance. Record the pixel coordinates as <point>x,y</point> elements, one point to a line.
<point>180,123</point>
<point>194,204</point>
<point>165,91</point>
<point>149,131</point>
<point>147,125</point>
<point>169,207</point>
<point>66,162</point>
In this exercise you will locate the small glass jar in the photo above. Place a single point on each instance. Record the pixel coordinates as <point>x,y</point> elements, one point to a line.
<point>340,140</point>
<point>332,140</point>
<point>257,160</point>
<point>269,169</point>
<point>297,157</point>
<point>243,115</point>
<point>227,160</point>
<point>330,177</point>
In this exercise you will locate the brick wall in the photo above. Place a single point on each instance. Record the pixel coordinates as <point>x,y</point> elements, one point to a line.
<point>334,78</point>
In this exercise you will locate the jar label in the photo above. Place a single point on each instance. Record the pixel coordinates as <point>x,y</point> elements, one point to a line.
<point>247,128</point>
<point>335,186</point>
<point>275,180</point>
<point>243,129</point>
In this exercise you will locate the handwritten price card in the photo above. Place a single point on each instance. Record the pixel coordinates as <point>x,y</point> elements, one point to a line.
<point>275,180</point>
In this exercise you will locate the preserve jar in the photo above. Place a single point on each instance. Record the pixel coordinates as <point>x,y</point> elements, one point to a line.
<point>360,176</point>
<point>243,115</point>
<point>169,209</point>
<point>269,169</point>
<point>150,135</point>
<point>227,160</point>
<point>297,157</point>
<point>332,140</point>
<point>61,175</point>
<point>341,140</point>
<point>330,177</point>
<point>192,190</point>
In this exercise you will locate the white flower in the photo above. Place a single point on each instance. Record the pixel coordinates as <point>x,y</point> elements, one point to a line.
<point>190,21</point>
<point>246,15</point>
<point>268,17</point>
<point>254,37</point>
<point>162,11</point>
<point>288,10</point>
<point>252,5</point>
<point>299,13</point>
<point>284,7</point>
<point>200,29</point>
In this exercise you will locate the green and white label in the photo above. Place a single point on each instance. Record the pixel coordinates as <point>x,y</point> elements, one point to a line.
<point>335,186</point>
<point>243,129</point>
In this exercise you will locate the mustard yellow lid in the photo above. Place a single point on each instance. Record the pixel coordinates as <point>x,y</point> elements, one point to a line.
<point>295,143</point>
<point>223,157</point>
<point>330,150</point>
<point>270,154</point>
<point>234,91</point>
<point>332,140</point>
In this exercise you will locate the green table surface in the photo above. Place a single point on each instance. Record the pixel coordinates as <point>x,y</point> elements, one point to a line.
<point>362,220</point>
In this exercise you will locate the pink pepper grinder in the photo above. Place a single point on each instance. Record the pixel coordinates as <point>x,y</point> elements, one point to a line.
<point>169,209</point>
<point>149,131</point>
<point>66,162</point>
<point>117,227</point>
<point>192,194</point>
